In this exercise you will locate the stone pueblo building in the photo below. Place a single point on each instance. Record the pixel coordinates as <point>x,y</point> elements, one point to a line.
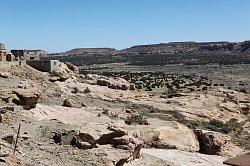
<point>4,55</point>
<point>29,57</point>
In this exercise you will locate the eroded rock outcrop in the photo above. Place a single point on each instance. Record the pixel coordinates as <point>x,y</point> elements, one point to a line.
<point>172,136</point>
<point>27,99</point>
<point>215,143</point>
<point>113,83</point>
<point>72,67</point>
<point>111,139</point>
<point>89,138</point>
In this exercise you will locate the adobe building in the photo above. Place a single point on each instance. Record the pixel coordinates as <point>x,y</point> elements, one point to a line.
<point>3,52</point>
<point>45,66</point>
<point>5,55</point>
<point>28,55</point>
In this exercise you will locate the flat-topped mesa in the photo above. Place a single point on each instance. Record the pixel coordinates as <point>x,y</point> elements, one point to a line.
<point>80,51</point>
<point>172,47</point>
<point>222,52</point>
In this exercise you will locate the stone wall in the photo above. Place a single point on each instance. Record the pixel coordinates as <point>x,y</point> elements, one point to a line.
<point>45,66</point>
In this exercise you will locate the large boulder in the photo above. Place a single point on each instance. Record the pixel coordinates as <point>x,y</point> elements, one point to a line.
<point>98,134</point>
<point>72,67</point>
<point>27,99</point>
<point>215,143</point>
<point>63,73</point>
<point>92,132</point>
<point>172,136</point>
<point>113,83</point>
<point>114,132</point>
<point>210,142</point>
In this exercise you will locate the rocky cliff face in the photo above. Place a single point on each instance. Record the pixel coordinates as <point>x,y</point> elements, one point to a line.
<point>161,54</point>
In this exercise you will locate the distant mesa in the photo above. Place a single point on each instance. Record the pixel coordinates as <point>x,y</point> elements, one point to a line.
<point>191,52</point>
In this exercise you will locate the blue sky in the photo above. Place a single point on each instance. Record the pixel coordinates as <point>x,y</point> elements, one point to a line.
<point>59,25</point>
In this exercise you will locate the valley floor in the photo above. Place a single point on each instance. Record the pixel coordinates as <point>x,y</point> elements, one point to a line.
<point>69,118</point>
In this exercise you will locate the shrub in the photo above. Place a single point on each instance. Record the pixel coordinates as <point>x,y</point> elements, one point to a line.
<point>191,89</point>
<point>216,123</point>
<point>136,119</point>
<point>234,125</point>
<point>219,126</point>
<point>105,111</point>
<point>204,88</point>
<point>243,90</point>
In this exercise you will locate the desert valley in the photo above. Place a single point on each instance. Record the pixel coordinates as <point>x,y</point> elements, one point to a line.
<point>166,104</point>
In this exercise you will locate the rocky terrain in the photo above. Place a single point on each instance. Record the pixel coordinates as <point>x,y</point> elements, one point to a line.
<point>69,118</point>
<point>162,54</point>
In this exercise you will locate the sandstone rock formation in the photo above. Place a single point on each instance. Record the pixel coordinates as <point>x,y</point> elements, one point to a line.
<point>27,99</point>
<point>215,143</point>
<point>72,67</point>
<point>113,83</point>
<point>89,137</point>
<point>172,136</point>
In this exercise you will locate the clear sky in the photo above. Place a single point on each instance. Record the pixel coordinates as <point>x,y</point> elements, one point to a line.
<point>59,25</point>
